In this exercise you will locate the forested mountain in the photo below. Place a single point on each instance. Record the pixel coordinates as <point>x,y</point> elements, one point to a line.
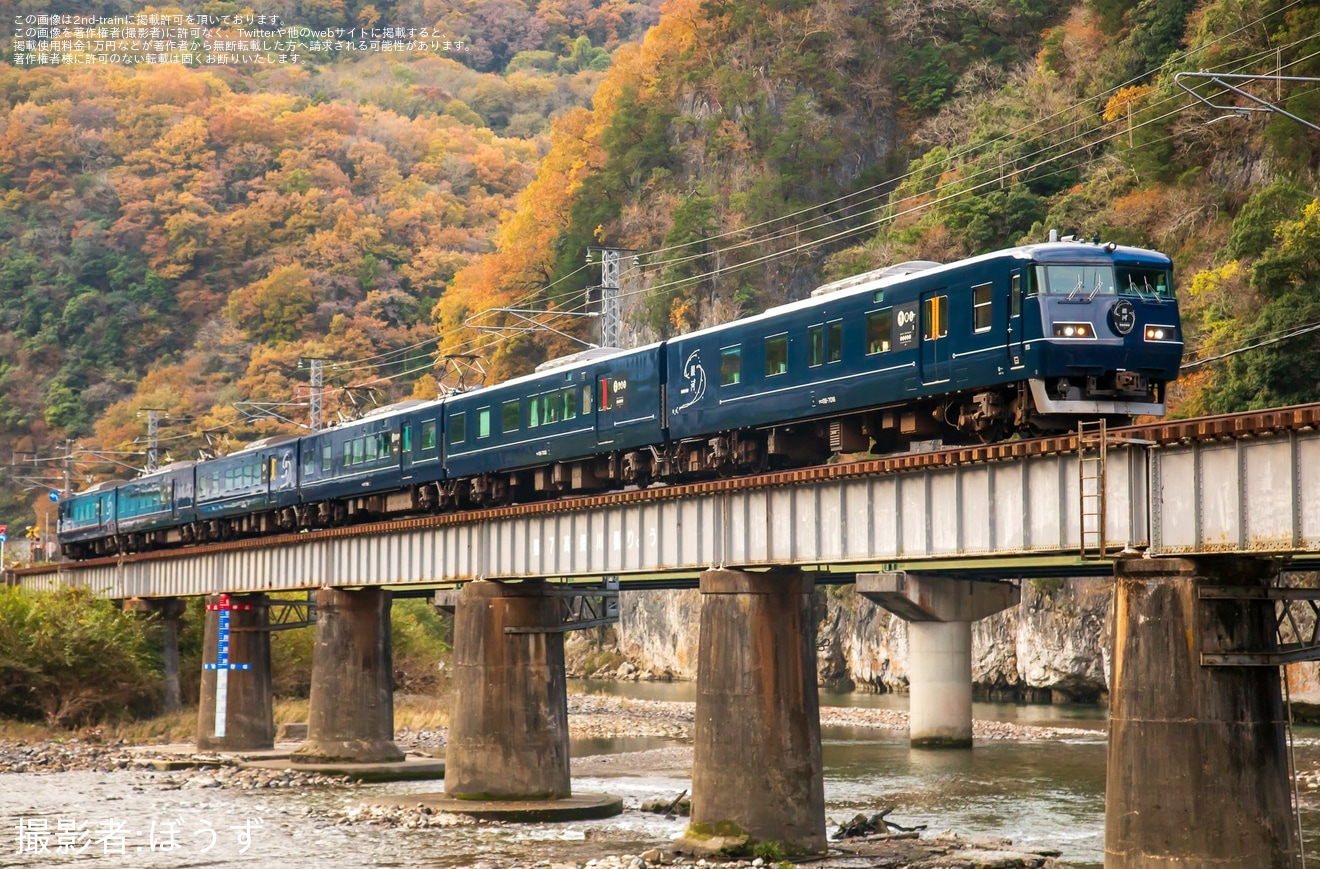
<point>754,149</point>
<point>178,239</point>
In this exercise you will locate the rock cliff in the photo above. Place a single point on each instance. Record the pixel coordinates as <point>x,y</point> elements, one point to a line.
<point>1053,645</point>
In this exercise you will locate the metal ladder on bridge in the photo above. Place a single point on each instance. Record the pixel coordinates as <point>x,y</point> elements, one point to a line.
<point>1092,443</point>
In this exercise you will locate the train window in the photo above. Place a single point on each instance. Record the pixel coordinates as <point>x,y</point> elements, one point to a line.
<point>586,399</point>
<point>327,457</point>
<point>407,438</point>
<point>1015,299</point>
<point>730,366</point>
<point>935,317</point>
<point>533,412</point>
<point>570,402</point>
<point>370,448</point>
<point>816,346</point>
<point>483,422</point>
<point>833,340</point>
<point>1144,282</point>
<point>359,450</point>
<point>981,308</point>
<point>878,297</point>
<point>309,463</point>
<point>348,453</point>
<point>776,355</point>
<point>1076,281</point>
<point>457,429</point>
<point>510,411</point>
<point>549,407</point>
<point>879,331</point>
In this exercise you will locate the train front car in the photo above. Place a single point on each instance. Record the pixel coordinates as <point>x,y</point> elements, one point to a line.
<point>1101,335</point>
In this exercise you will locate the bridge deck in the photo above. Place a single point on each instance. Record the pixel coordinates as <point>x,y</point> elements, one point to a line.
<point>1241,483</point>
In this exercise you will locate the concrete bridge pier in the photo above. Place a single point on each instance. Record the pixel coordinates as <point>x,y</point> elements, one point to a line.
<point>757,768</point>
<point>508,725</point>
<point>170,610</point>
<point>246,720</point>
<point>1198,771</point>
<point>352,706</point>
<point>939,612</point>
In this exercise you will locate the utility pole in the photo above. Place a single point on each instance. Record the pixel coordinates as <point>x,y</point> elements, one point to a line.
<point>153,438</point>
<point>314,400</point>
<point>611,318</point>
<point>68,468</point>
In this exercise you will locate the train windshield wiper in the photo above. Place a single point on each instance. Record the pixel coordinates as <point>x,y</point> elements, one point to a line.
<point>1094,292</point>
<point>1075,290</point>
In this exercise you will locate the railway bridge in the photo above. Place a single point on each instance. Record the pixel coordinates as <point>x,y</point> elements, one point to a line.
<point>1197,521</point>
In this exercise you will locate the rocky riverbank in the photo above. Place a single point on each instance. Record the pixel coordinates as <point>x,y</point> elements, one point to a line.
<point>590,716</point>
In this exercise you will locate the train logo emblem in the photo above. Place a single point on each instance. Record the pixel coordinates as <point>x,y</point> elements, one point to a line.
<point>696,382</point>
<point>1123,316</point>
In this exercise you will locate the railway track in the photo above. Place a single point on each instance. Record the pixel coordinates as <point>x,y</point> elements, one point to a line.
<point>1203,429</point>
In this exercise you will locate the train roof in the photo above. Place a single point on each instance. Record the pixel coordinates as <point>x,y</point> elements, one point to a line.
<point>574,363</point>
<point>160,472</point>
<point>391,409</point>
<point>273,440</point>
<point>1053,251</point>
<point>98,487</point>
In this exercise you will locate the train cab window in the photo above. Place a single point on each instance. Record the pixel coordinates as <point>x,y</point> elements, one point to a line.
<point>327,456</point>
<point>457,430</point>
<point>1015,298</point>
<point>935,317</point>
<point>981,308</point>
<point>586,399</point>
<point>510,411</point>
<point>570,402</point>
<point>1144,282</point>
<point>879,331</point>
<point>816,346</point>
<point>776,355</point>
<point>483,422</point>
<point>731,365</point>
<point>833,340</point>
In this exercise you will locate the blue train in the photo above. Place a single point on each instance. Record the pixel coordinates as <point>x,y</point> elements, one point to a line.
<point>1023,340</point>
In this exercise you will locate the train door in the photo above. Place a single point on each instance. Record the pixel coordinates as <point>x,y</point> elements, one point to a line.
<point>935,337</point>
<point>1016,350</point>
<point>602,401</point>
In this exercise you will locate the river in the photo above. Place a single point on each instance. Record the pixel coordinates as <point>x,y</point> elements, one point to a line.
<point>1035,793</point>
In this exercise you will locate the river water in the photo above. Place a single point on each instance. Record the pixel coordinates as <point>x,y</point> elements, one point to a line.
<point>1047,794</point>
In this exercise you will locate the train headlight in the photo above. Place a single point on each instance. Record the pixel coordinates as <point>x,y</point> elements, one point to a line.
<point>1069,331</point>
<point>1074,330</point>
<point>1161,333</point>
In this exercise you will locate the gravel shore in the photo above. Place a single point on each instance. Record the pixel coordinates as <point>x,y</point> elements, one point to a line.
<point>593,716</point>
